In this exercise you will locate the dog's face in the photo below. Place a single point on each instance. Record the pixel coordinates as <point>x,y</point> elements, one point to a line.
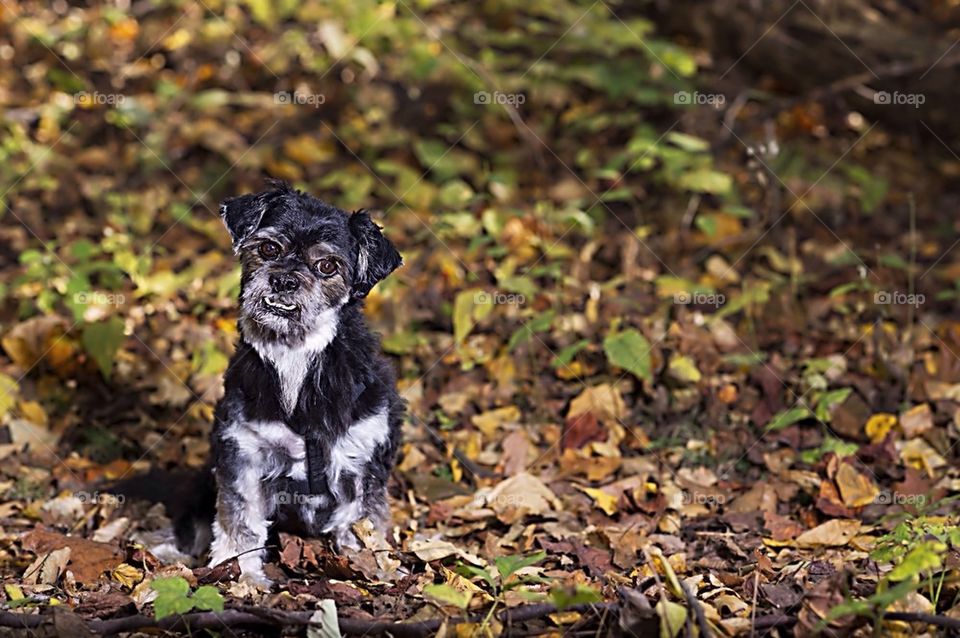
<point>301,261</point>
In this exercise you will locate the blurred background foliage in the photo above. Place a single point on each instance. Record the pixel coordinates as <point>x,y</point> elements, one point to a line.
<point>126,125</point>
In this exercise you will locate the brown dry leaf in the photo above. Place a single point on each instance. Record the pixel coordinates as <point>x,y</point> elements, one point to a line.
<point>829,501</point>
<point>603,401</point>
<point>88,559</point>
<point>519,496</point>
<point>581,429</point>
<point>782,528</point>
<point>834,533</point>
<point>374,540</point>
<point>760,497</point>
<point>940,391</point>
<point>47,568</point>
<point>515,448</point>
<point>916,420</point>
<point>856,489</point>
<point>436,549</point>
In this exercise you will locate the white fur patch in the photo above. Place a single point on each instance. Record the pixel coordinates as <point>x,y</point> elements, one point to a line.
<point>352,451</point>
<point>293,363</point>
<point>350,455</point>
<point>253,519</point>
<point>256,439</point>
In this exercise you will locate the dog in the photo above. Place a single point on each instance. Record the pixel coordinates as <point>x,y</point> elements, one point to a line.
<point>306,434</point>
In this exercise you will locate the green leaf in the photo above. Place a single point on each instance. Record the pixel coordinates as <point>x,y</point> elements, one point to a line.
<point>565,356</point>
<point>463,314</point>
<point>705,180</point>
<point>208,597</point>
<point>830,399</point>
<point>565,597</point>
<point>688,142</point>
<point>786,418</point>
<point>171,597</point>
<point>509,565</point>
<point>173,586</point>
<point>477,572</point>
<point>673,617</point>
<point>630,350</point>
<point>922,558</point>
<point>448,595</point>
<point>102,340</point>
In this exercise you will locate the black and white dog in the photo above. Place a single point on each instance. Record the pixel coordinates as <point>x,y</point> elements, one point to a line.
<point>306,434</point>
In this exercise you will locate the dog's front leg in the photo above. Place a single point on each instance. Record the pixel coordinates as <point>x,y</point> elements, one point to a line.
<point>240,529</point>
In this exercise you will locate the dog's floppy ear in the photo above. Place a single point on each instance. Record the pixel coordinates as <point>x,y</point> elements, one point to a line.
<point>376,256</point>
<point>242,216</point>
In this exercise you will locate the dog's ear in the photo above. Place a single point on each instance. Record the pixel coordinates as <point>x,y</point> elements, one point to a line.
<point>242,216</point>
<point>376,256</point>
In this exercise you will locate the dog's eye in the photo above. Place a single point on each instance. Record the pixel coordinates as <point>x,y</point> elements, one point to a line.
<point>327,266</point>
<point>269,249</point>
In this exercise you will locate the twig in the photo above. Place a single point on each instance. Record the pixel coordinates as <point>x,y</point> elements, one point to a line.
<point>698,612</point>
<point>261,617</point>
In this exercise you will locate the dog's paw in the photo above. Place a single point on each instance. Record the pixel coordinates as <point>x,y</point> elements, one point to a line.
<point>346,539</point>
<point>256,579</point>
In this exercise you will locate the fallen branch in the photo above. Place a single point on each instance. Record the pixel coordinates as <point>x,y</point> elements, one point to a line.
<point>249,617</point>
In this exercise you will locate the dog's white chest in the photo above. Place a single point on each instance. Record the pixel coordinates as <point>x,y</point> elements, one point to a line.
<point>293,363</point>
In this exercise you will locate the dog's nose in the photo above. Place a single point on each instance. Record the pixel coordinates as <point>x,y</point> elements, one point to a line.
<point>284,282</point>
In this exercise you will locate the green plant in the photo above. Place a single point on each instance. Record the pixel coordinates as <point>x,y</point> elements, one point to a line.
<point>505,576</point>
<point>915,549</point>
<point>174,597</point>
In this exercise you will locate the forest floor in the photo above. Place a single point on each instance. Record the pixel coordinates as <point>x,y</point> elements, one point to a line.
<point>716,385</point>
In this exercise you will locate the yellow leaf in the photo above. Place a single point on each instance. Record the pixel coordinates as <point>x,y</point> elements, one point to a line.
<point>492,420</point>
<point>127,575</point>
<point>878,425</point>
<point>8,393</point>
<point>683,369</point>
<point>601,499</point>
<point>13,591</point>
<point>856,489</point>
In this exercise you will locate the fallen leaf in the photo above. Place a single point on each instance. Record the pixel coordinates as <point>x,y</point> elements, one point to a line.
<point>919,454</point>
<point>601,499</point>
<point>520,495</point>
<point>856,489</point>
<point>47,568</point>
<point>88,559</point>
<point>916,420</point>
<point>834,533</point>
<point>879,425</point>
